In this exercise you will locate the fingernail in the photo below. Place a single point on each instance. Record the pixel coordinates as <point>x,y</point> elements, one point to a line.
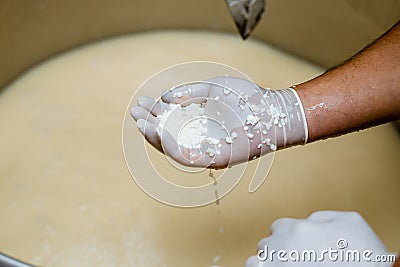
<point>134,112</point>
<point>137,113</point>
<point>140,101</point>
<point>145,101</point>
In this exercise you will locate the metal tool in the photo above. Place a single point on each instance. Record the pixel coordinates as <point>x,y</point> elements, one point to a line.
<point>8,261</point>
<point>246,13</point>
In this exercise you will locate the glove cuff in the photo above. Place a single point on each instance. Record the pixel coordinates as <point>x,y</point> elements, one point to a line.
<point>291,126</point>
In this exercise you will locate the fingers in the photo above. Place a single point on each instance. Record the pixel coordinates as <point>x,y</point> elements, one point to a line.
<point>141,113</point>
<point>145,120</point>
<point>283,225</point>
<point>195,92</point>
<point>253,262</point>
<point>150,133</point>
<point>263,242</point>
<point>153,106</point>
<point>324,216</point>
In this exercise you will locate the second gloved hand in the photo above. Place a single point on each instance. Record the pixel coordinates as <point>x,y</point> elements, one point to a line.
<point>325,238</point>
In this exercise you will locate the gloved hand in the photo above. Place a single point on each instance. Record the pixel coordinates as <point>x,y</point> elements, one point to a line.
<point>343,232</point>
<point>221,122</point>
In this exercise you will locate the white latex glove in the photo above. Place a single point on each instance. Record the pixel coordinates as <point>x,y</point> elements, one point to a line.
<point>322,230</point>
<point>243,121</point>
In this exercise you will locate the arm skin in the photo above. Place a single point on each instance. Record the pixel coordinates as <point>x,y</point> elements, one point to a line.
<point>362,92</point>
<point>397,263</point>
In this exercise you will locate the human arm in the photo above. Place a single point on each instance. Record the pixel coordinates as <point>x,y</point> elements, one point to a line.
<point>362,92</point>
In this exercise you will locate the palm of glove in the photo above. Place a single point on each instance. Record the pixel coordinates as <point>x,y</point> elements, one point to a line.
<point>220,122</point>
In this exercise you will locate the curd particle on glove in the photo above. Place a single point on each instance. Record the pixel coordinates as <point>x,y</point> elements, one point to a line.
<point>194,130</point>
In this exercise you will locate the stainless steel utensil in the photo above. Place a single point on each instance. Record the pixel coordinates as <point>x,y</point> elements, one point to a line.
<point>246,14</point>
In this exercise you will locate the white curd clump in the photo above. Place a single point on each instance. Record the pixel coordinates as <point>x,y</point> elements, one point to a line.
<point>188,125</point>
<point>162,119</point>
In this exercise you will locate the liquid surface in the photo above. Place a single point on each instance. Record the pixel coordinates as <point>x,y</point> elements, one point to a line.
<point>67,198</point>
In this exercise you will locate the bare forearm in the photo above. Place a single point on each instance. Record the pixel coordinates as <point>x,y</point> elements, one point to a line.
<point>364,91</point>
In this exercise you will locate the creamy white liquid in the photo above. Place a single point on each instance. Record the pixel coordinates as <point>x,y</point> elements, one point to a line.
<point>67,199</point>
